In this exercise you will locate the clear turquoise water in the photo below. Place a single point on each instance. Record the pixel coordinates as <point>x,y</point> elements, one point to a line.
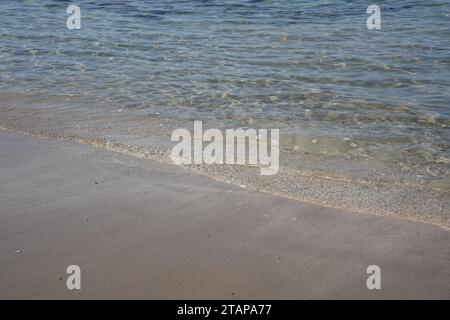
<point>311,68</point>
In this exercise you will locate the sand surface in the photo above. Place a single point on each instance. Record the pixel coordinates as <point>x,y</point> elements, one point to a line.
<point>147,230</point>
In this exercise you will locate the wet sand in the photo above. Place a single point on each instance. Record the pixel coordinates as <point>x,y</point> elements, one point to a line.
<point>355,184</point>
<point>144,229</point>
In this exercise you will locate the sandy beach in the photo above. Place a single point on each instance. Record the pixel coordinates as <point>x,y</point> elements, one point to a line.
<point>148,230</point>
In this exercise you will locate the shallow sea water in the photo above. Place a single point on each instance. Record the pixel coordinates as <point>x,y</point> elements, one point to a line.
<point>369,107</point>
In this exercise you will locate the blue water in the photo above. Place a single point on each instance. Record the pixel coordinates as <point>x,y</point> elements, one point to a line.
<point>311,68</point>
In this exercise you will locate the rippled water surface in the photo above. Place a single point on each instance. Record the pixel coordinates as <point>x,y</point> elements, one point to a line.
<point>310,68</point>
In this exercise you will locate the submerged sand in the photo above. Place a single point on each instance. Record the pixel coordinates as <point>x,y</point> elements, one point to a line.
<point>139,228</point>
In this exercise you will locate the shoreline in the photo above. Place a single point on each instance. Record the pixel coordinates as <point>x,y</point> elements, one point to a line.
<point>421,202</point>
<point>143,229</point>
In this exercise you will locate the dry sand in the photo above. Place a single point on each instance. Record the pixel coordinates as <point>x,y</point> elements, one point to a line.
<point>147,230</point>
